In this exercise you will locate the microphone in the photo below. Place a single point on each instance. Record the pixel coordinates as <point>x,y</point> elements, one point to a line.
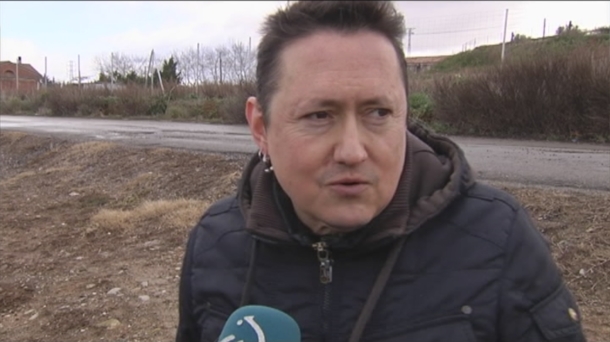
<point>256,323</point>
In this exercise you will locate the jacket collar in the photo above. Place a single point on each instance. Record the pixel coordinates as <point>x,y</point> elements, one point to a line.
<point>434,174</point>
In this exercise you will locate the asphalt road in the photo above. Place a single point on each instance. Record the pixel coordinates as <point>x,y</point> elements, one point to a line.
<point>576,165</point>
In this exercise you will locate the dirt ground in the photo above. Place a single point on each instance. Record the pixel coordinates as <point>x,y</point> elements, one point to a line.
<point>93,234</point>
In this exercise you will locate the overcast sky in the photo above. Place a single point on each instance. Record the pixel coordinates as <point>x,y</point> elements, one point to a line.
<point>62,31</point>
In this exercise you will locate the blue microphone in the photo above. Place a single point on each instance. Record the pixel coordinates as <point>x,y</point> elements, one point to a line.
<point>256,323</point>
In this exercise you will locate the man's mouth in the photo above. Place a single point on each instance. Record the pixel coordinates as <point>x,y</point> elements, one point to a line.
<point>349,181</point>
<point>348,186</point>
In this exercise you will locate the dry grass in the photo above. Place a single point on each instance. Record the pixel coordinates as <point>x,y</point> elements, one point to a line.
<point>578,230</point>
<point>12,137</point>
<point>27,174</point>
<point>171,215</point>
<point>89,148</point>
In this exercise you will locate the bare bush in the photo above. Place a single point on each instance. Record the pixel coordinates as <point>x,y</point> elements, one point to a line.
<point>233,108</point>
<point>229,63</point>
<point>208,102</point>
<point>547,94</point>
<point>130,101</point>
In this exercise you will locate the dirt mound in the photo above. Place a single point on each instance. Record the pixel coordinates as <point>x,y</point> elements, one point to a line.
<point>80,219</point>
<point>92,236</point>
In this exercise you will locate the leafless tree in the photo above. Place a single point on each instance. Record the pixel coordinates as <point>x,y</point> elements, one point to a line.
<point>189,66</point>
<point>122,64</point>
<point>242,62</point>
<point>216,59</point>
<point>233,62</point>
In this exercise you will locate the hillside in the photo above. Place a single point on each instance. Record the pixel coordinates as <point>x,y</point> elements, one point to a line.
<point>519,49</point>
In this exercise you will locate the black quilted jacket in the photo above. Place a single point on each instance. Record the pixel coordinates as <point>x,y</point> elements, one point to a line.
<point>467,265</point>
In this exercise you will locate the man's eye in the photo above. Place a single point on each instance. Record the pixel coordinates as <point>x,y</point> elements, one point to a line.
<point>381,112</point>
<point>318,115</point>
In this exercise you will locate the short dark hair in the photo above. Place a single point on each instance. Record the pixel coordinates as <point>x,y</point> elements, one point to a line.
<point>303,18</point>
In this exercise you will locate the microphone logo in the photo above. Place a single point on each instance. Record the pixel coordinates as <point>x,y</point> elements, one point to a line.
<point>260,335</point>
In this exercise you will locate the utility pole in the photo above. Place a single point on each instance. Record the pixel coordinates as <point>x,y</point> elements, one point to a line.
<point>17,73</point>
<point>504,37</point>
<point>151,70</point>
<point>409,34</point>
<point>45,71</point>
<point>79,85</point>
<point>544,28</point>
<point>160,81</point>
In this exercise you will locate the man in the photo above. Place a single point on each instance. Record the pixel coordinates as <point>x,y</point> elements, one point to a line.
<point>358,228</point>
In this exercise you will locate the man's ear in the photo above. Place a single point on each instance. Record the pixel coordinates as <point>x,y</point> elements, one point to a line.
<point>256,122</point>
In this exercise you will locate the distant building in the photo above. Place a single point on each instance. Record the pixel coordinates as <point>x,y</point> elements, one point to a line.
<point>29,79</point>
<point>420,64</point>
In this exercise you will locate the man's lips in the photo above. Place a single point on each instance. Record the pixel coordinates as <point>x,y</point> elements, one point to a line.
<point>349,181</point>
<point>348,186</point>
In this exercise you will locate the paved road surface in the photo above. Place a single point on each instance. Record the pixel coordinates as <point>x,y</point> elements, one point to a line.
<point>528,162</point>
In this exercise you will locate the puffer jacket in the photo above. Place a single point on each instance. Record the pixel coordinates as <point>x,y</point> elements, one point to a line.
<point>449,259</point>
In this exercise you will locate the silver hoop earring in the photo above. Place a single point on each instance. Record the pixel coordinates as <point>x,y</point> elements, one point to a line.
<point>265,159</point>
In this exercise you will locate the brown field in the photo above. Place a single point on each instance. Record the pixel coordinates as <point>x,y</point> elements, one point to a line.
<point>79,220</point>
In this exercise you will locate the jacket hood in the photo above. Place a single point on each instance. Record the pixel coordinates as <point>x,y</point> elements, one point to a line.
<point>434,174</point>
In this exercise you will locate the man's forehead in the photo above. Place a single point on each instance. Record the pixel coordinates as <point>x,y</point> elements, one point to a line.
<point>312,55</point>
<point>325,45</point>
<point>370,99</point>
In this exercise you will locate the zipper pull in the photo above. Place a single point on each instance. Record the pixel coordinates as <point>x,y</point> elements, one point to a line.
<point>326,267</point>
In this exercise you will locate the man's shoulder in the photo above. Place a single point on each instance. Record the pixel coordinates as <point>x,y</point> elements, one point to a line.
<point>486,212</point>
<point>218,236</point>
<point>485,193</point>
<point>219,221</point>
<point>222,206</point>
<point>482,199</point>
<point>222,215</point>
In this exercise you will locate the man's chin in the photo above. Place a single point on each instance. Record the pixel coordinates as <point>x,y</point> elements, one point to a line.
<point>338,225</point>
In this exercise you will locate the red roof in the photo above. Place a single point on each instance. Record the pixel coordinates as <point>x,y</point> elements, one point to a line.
<point>26,71</point>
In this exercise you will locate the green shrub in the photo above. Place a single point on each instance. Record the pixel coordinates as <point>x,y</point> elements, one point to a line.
<point>176,111</point>
<point>420,107</point>
<point>23,104</point>
<point>150,106</point>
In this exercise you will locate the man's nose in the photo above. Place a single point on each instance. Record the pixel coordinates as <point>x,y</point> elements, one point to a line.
<point>350,148</point>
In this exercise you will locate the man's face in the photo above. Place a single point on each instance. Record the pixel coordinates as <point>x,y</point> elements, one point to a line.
<point>337,128</point>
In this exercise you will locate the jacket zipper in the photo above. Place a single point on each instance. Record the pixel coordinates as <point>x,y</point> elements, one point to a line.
<point>326,262</point>
<point>326,277</point>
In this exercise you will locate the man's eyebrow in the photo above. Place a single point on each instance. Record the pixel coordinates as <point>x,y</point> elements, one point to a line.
<point>375,101</point>
<point>325,102</point>
<point>320,102</point>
